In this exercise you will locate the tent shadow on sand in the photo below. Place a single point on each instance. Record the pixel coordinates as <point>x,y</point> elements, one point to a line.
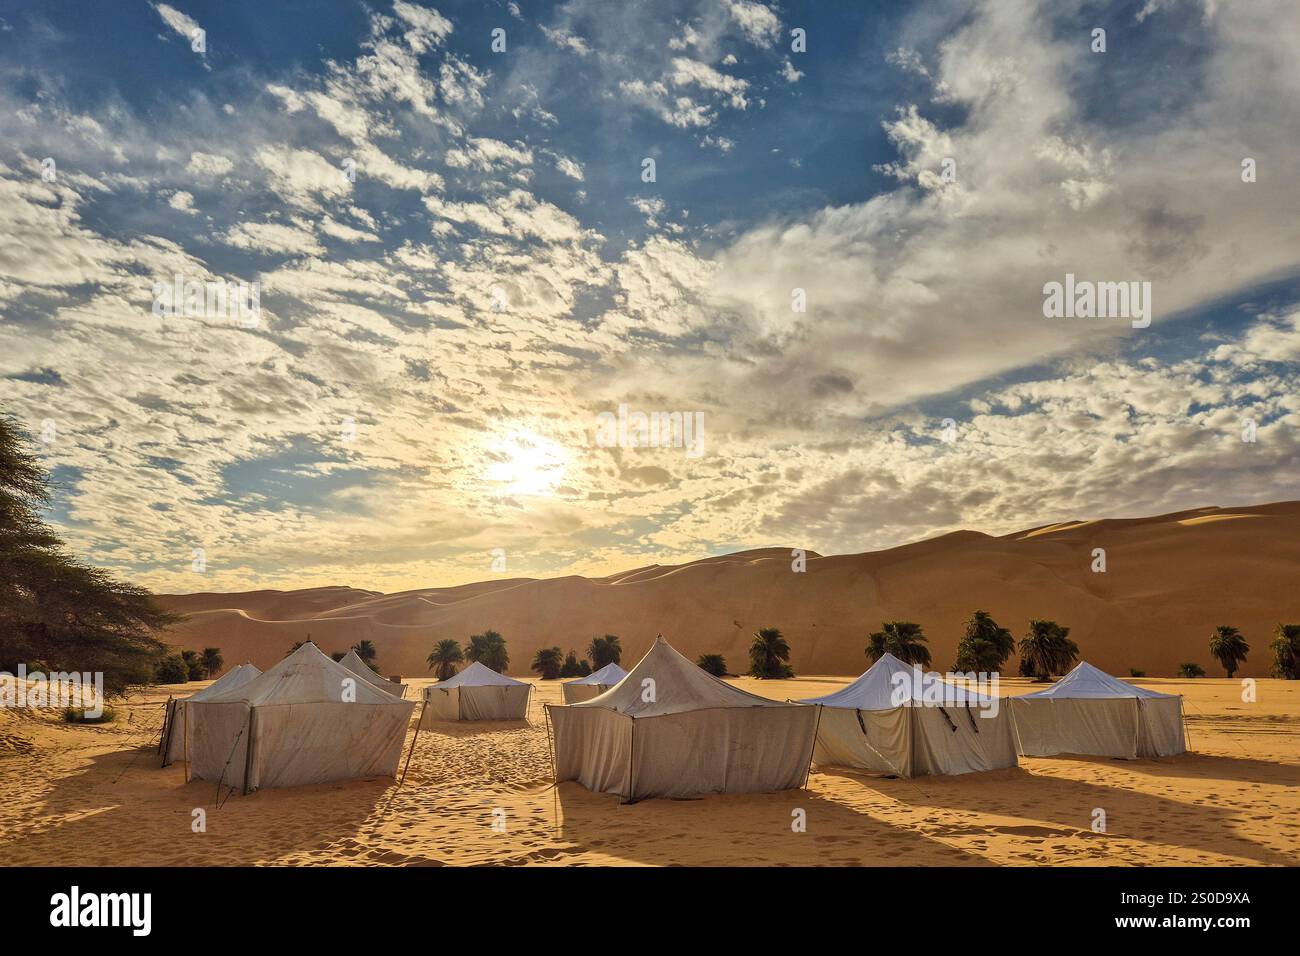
<point>1059,807</point>
<point>1207,766</point>
<point>752,829</point>
<point>124,810</point>
<point>465,728</point>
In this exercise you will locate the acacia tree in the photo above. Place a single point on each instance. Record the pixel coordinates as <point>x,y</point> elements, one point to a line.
<point>56,611</point>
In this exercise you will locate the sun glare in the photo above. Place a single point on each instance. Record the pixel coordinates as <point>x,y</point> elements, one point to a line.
<point>527,464</point>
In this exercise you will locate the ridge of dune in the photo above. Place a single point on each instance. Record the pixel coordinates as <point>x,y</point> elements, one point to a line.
<point>1170,579</point>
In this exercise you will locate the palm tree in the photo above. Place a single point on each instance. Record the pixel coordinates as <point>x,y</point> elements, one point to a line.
<point>548,662</point>
<point>213,661</point>
<point>979,655</point>
<point>445,656</point>
<point>903,639</point>
<point>985,646</point>
<point>1286,651</point>
<point>367,651</point>
<point>1228,647</point>
<point>604,650</point>
<point>714,664</point>
<point>572,667</point>
<point>768,655</point>
<point>1047,650</point>
<point>488,649</point>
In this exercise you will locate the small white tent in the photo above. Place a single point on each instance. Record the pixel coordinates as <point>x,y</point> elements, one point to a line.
<point>479,693</point>
<point>669,729</point>
<point>1089,712</point>
<point>898,719</point>
<point>594,684</point>
<point>306,720</point>
<point>172,745</point>
<point>353,662</point>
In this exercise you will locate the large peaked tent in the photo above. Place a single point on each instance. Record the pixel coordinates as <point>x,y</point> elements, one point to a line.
<point>353,662</point>
<point>669,729</point>
<point>172,745</point>
<point>898,719</point>
<point>1089,712</point>
<point>478,693</point>
<point>593,685</point>
<point>305,720</point>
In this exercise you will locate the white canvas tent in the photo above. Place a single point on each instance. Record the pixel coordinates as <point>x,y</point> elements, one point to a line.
<point>898,719</point>
<point>593,685</point>
<point>478,693</point>
<point>1089,712</point>
<point>669,729</point>
<point>353,662</point>
<point>305,720</point>
<point>172,745</point>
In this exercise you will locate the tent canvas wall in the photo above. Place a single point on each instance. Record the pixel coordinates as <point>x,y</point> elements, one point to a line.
<point>172,744</point>
<point>353,662</point>
<point>305,720</point>
<point>593,685</point>
<point>898,719</point>
<point>478,693</point>
<point>1091,713</point>
<point>669,729</point>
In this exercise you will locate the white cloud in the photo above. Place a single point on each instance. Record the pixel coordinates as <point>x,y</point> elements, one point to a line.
<point>760,24</point>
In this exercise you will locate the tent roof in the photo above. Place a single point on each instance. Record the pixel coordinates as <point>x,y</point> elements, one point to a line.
<point>1086,681</point>
<point>304,677</point>
<point>609,674</point>
<point>353,662</point>
<point>875,689</point>
<point>680,686</point>
<point>478,675</point>
<point>236,677</point>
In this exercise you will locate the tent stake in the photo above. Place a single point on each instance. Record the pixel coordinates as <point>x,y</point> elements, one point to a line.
<point>411,753</point>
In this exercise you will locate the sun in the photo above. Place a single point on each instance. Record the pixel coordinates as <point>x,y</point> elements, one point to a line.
<point>525,463</point>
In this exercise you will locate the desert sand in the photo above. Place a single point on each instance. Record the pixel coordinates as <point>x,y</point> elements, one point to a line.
<point>96,796</point>
<point>1169,581</point>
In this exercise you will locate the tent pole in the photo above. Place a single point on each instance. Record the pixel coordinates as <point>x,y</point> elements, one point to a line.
<point>166,728</point>
<point>411,752</point>
<point>631,764</point>
<point>248,749</point>
<point>185,743</point>
<point>813,749</point>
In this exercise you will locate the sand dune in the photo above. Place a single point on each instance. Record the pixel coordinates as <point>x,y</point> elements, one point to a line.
<point>1169,580</point>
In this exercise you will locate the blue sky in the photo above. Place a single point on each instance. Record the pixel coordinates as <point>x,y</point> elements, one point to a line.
<point>438,333</point>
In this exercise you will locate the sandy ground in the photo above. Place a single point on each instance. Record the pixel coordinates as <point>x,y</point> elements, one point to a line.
<point>96,796</point>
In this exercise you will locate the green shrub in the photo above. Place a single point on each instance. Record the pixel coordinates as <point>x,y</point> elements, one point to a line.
<point>1134,672</point>
<point>1191,670</point>
<point>173,670</point>
<point>77,715</point>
